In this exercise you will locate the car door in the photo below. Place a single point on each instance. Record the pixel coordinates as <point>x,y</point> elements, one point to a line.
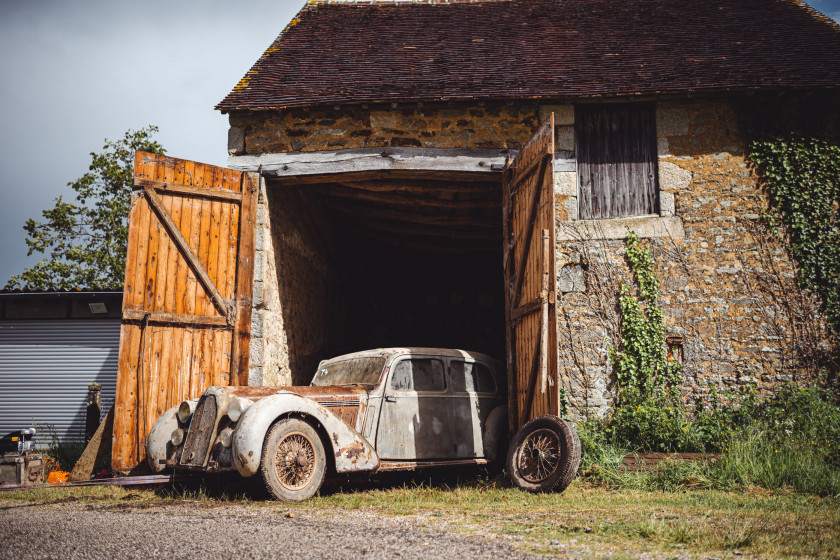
<point>416,419</point>
<point>474,395</point>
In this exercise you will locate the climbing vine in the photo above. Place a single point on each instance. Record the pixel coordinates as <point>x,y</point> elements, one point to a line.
<point>640,363</point>
<point>802,177</point>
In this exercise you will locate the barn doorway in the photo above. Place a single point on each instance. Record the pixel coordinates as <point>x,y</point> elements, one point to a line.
<point>387,262</point>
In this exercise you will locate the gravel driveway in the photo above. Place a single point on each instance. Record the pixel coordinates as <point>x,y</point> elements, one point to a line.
<point>185,530</point>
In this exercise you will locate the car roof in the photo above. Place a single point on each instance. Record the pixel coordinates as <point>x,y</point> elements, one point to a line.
<point>390,353</point>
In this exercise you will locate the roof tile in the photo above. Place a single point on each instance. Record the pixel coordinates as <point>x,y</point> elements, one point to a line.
<point>506,49</point>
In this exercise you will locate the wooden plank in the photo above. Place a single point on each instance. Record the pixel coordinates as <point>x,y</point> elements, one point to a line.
<point>204,299</point>
<point>424,199</point>
<point>378,160</point>
<point>528,205</point>
<point>546,240</point>
<point>526,309</point>
<point>175,318</point>
<point>164,187</point>
<point>244,280</point>
<point>95,450</point>
<point>617,157</point>
<point>528,232</point>
<point>169,348</point>
<point>188,254</point>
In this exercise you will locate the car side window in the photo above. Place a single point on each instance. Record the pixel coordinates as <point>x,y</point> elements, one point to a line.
<point>466,376</point>
<point>418,374</point>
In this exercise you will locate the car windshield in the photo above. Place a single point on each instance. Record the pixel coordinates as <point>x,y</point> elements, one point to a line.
<point>352,371</point>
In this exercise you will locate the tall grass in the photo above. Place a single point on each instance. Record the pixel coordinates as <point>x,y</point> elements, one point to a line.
<point>790,441</point>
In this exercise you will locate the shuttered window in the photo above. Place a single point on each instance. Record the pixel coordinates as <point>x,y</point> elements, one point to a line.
<point>616,155</point>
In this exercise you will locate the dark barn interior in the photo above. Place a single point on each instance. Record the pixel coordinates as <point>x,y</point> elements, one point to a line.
<point>380,263</point>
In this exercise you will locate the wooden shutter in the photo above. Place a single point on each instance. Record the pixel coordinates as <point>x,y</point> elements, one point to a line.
<point>616,155</point>
<point>529,278</point>
<point>187,298</point>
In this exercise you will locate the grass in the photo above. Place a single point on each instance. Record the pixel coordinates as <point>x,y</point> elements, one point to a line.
<point>587,519</point>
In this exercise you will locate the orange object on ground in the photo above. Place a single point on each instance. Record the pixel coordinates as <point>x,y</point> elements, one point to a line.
<point>58,477</point>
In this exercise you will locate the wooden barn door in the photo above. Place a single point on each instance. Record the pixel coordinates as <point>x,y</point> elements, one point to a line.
<point>528,206</point>
<point>187,298</point>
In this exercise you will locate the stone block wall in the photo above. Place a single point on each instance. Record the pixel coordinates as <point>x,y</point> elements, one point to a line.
<point>329,128</point>
<point>733,312</point>
<point>292,286</point>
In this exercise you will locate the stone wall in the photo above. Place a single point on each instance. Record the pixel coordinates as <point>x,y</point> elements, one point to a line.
<point>732,309</point>
<point>733,312</point>
<point>293,285</point>
<point>328,128</point>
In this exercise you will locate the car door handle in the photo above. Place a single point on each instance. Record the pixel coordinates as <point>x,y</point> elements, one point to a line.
<point>390,398</point>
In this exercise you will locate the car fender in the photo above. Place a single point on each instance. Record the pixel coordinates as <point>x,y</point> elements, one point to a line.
<point>158,443</point>
<point>495,432</point>
<point>350,449</point>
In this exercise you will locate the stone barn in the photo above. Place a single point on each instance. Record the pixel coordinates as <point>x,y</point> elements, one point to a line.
<point>353,251</point>
<point>464,175</point>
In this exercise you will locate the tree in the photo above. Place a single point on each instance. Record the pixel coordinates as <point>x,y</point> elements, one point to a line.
<point>86,240</point>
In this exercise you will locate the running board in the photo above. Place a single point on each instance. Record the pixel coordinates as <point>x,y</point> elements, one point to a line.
<point>391,465</point>
<point>122,481</point>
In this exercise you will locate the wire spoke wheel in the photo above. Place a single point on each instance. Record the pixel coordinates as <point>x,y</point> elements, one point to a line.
<point>544,455</point>
<point>539,455</point>
<point>294,461</point>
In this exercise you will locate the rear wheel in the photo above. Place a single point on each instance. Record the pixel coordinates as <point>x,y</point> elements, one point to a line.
<point>293,461</point>
<point>544,455</point>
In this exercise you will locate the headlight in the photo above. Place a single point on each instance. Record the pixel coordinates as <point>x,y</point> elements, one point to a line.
<point>237,406</point>
<point>225,437</point>
<point>177,437</point>
<point>185,411</point>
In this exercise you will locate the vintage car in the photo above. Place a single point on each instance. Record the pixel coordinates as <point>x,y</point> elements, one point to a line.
<point>384,409</point>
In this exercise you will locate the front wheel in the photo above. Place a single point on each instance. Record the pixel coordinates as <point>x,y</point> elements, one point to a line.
<point>293,462</point>
<point>544,455</point>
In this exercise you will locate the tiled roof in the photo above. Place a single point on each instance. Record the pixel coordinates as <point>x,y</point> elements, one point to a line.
<point>371,52</point>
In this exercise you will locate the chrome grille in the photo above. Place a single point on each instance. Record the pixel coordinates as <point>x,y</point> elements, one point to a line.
<point>201,433</point>
<point>329,404</point>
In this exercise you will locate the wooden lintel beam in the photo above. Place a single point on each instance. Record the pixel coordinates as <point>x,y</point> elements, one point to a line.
<point>423,187</point>
<point>398,199</point>
<point>388,159</point>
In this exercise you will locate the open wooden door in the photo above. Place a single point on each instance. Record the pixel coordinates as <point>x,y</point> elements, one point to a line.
<point>528,207</point>
<point>187,299</point>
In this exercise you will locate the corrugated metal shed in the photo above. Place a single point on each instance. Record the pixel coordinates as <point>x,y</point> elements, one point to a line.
<point>46,367</point>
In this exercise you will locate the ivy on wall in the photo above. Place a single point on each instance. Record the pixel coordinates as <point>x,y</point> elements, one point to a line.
<point>640,363</point>
<point>802,177</point>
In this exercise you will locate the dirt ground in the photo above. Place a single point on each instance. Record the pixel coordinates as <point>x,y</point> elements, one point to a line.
<point>211,531</point>
<point>416,518</point>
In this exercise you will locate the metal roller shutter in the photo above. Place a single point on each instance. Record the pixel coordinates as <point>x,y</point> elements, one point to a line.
<point>45,370</point>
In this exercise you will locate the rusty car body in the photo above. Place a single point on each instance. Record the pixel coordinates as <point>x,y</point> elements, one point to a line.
<point>383,409</point>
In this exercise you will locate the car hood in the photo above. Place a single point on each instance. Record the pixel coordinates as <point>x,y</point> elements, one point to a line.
<point>319,394</point>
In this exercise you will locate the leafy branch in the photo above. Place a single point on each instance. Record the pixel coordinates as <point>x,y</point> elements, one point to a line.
<point>85,240</point>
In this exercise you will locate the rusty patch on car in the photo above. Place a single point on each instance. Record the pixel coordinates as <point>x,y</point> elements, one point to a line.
<point>353,451</point>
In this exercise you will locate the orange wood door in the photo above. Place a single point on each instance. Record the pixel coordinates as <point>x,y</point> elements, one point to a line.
<point>186,314</point>
<point>529,235</point>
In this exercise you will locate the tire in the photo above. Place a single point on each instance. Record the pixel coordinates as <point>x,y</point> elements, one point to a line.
<point>544,455</point>
<point>293,462</point>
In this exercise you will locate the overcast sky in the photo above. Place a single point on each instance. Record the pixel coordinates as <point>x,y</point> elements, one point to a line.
<point>73,73</point>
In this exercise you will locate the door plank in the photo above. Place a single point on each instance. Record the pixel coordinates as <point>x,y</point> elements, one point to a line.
<point>170,348</point>
<point>528,213</point>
